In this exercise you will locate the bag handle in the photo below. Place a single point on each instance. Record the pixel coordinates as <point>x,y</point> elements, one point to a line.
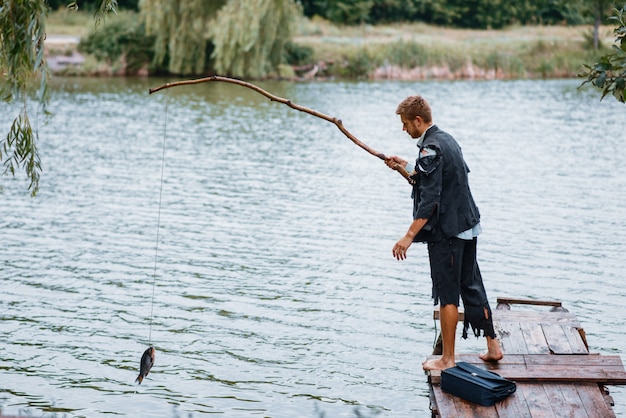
<point>477,371</point>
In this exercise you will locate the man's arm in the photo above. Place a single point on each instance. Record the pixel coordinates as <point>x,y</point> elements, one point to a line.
<point>403,244</point>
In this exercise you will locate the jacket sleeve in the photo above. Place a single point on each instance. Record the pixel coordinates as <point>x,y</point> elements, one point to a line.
<point>430,168</point>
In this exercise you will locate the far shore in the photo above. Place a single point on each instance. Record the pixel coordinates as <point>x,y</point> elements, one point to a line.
<point>392,52</point>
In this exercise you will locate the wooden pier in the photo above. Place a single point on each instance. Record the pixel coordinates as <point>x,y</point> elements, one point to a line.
<point>546,354</point>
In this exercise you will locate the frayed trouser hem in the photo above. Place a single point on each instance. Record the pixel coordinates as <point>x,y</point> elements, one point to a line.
<point>475,317</point>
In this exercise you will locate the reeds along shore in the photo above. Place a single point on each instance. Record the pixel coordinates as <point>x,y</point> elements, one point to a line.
<point>394,52</point>
<point>419,51</point>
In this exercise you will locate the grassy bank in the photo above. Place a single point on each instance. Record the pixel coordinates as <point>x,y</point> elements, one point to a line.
<point>422,51</point>
<point>415,51</point>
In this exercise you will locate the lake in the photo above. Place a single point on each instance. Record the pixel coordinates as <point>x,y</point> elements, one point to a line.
<point>251,243</point>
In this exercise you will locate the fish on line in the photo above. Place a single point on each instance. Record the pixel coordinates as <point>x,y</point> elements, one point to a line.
<point>145,364</point>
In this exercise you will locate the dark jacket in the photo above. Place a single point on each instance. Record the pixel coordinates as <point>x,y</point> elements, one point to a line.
<point>441,192</point>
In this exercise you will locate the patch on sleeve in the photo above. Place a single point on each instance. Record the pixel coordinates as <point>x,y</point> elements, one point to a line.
<point>428,160</point>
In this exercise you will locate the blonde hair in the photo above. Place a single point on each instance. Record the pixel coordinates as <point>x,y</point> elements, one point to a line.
<point>414,106</point>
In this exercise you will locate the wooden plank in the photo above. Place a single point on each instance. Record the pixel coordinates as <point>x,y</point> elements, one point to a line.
<point>579,361</point>
<point>572,400</point>
<point>607,370</point>
<point>537,317</point>
<point>513,406</point>
<point>557,340</point>
<point>557,402</point>
<point>445,405</point>
<point>511,338</point>
<point>508,360</point>
<point>453,406</point>
<point>432,402</point>
<point>534,338</point>
<point>564,339</point>
<point>593,401</point>
<point>537,400</point>
<point>566,374</point>
<point>546,354</point>
<point>576,338</point>
<point>545,359</point>
<point>434,376</point>
<point>531,400</point>
<point>570,374</point>
<point>517,301</point>
<point>469,409</point>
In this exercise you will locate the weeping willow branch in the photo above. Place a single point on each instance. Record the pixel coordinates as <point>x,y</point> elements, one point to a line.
<point>22,35</point>
<point>335,121</point>
<point>19,150</point>
<point>102,8</point>
<point>22,61</point>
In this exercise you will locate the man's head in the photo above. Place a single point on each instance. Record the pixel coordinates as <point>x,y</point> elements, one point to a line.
<point>415,115</point>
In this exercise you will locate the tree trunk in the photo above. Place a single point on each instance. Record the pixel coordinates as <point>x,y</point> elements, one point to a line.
<point>596,32</point>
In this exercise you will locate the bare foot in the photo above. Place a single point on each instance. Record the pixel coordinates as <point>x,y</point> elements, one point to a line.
<point>492,354</point>
<point>437,364</point>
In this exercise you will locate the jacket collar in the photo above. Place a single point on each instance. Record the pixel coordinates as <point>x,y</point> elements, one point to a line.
<point>430,129</point>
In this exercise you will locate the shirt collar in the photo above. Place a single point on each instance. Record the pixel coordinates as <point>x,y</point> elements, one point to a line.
<point>421,138</point>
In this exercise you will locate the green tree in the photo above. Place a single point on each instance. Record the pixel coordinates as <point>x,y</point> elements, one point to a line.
<point>311,8</point>
<point>346,11</point>
<point>91,5</point>
<point>22,34</point>
<point>121,42</point>
<point>339,11</point>
<point>609,73</point>
<point>259,49</point>
<point>598,9</point>
<point>181,31</point>
<point>248,37</point>
<point>592,12</point>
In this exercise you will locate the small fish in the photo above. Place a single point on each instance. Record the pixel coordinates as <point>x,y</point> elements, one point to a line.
<point>147,361</point>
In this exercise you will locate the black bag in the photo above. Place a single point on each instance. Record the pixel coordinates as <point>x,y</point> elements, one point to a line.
<point>475,384</point>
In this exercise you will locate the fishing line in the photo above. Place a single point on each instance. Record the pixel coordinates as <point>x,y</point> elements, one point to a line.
<point>147,358</point>
<point>156,246</point>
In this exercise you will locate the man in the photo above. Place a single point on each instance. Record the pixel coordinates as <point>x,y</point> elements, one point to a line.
<point>447,219</point>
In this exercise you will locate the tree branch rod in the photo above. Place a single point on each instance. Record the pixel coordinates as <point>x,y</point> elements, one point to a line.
<point>335,121</point>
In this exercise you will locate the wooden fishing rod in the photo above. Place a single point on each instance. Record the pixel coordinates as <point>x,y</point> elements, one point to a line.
<point>335,121</point>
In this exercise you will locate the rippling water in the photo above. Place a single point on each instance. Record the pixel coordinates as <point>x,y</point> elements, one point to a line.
<point>275,292</point>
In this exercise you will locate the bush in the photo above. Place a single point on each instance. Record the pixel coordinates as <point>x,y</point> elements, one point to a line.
<point>407,54</point>
<point>297,54</point>
<point>357,65</point>
<point>120,39</point>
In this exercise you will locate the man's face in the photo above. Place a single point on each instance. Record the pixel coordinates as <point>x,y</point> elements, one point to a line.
<point>413,127</point>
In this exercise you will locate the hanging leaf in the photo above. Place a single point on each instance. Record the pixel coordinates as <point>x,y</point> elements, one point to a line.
<point>609,72</point>
<point>19,150</point>
<point>599,82</point>
<point>22,35</point>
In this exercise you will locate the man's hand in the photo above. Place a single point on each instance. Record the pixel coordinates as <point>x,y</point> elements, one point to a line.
<point>403,244</point>
<point>395,162</point>
<point>399,250</point>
